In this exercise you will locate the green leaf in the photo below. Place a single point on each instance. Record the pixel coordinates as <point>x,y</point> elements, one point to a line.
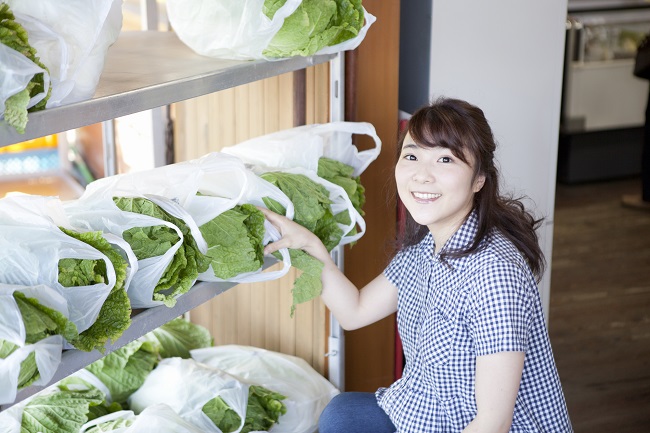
<point>188,261</point>
<point>115,314</point>
<point>342,174</point>
<point>263,410</point>
<point>274,205</point>
<point>308,285</point>
<point>177,337</point>
<point>14,35</point>
<point>150,241</point>
<point>125,370</point>
<point>235,241</point>
<point>315,24</point>
<point>222,415</point>
<point>311,203</point>
<point>64,411</point>
<point>112,425</point>
<point>15,113</point>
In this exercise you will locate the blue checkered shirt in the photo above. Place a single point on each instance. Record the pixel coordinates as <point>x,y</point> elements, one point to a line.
<point>451,312</point>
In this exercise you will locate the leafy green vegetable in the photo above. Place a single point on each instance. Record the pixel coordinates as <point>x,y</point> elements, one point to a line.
<point>343,175</point>
<point>315,24</point>
<point>235,241</point>
<point>222,415</point>
<point>311,203</point>
<point>188,261</point>
<point>312,211</point>
<point>40,322</point>
<point>28,373</point>
<point>151,241</point>
<point>263,410</point>
<point>308,285</point>
<point>64,411</point>
<point>13,35</point>
<point>16,110</point>
<point>177,337</point>
<point>115,314</point>
<point>77,384</point>
<point>112,425</point>
<point>125,370</point>
<point>81,272</point>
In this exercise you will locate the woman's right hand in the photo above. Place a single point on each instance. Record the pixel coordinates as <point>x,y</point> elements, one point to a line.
<point>294,236</point>
<point>353,308</point>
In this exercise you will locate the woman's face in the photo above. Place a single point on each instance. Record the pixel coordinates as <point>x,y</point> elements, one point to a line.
<point>436,187</point>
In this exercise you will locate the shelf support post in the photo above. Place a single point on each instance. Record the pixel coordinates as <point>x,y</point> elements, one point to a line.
<point>336,339</point>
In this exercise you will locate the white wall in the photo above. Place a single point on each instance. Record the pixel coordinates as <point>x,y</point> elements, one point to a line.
<point>506,56</point>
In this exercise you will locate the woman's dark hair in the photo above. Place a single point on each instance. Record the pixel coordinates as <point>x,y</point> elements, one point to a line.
<point>463,129</point>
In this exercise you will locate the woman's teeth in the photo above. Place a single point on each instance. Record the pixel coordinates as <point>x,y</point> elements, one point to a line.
<point>425,195</point>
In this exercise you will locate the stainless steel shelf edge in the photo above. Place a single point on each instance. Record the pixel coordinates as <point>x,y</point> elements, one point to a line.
<point>148,69</point>
<point>143,322</point>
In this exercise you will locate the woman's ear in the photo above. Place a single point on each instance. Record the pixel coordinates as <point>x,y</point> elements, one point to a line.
<point>478,183</point>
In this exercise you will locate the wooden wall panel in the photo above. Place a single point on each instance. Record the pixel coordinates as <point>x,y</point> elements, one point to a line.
<point>370,352</point>
<point>256,314</point>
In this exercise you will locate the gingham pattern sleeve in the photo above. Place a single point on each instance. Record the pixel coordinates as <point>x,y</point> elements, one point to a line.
<point>500,319</point>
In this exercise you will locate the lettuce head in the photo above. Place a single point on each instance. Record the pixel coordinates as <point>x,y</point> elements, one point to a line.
<point>314,25</point>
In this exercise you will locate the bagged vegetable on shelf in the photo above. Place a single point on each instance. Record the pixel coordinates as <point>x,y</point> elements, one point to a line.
<point>323,208</point>
<point>33,325</point>
<point>258,29</point>
<point>60,408</point>
<point>177,338</point>
<point>37,248</point>
<point>72,39</point>
<point>163,237</point>
<point>220,195</point>
<point>204,396</point>
<point>123,371</point>
<point>159,418</point>
<point>24,80</point>
<point>315,148</point>
<point>307,392</point>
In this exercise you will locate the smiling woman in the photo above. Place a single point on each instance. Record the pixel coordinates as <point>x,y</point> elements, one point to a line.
<point>436,187</point>
<point>478,356</point>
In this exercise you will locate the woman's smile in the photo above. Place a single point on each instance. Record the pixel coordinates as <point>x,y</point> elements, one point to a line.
<point>425,197</point>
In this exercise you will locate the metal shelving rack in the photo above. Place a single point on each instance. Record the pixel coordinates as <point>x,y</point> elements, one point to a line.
<point>148,69</point>
<point>144,70</point>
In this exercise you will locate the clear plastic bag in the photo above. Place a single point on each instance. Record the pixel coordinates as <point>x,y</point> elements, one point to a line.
<point>302,146</point>
<point>186,386</point>
<point>159,418</point>
<point>299,149</point>
<point>16,71</point>
<point>31,245</point>
<point>47,351</point>
<point>238,29</point>
<point>71,38</point>
<point>204,188</point>
<point>225,28</point>
<point>96,210</point>
<point>306,390</point>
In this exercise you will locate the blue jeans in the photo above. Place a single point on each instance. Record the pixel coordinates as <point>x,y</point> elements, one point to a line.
<point>354,412</point>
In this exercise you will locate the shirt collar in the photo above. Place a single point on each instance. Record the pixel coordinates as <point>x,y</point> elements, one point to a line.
<point>460,240</point>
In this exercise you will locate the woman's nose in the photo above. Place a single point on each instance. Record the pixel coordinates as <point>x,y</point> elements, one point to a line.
<point>423,174</point>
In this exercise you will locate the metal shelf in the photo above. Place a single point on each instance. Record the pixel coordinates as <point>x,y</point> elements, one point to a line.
<point>148,69</point>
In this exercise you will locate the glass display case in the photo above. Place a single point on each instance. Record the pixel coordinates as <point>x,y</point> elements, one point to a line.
<point>603,103</point>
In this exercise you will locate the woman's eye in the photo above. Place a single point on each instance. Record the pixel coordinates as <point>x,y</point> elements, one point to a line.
<point>410,157</point>
<point>445,159</point>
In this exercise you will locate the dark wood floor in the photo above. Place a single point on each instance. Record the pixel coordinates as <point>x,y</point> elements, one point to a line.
<point>599,319</point>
